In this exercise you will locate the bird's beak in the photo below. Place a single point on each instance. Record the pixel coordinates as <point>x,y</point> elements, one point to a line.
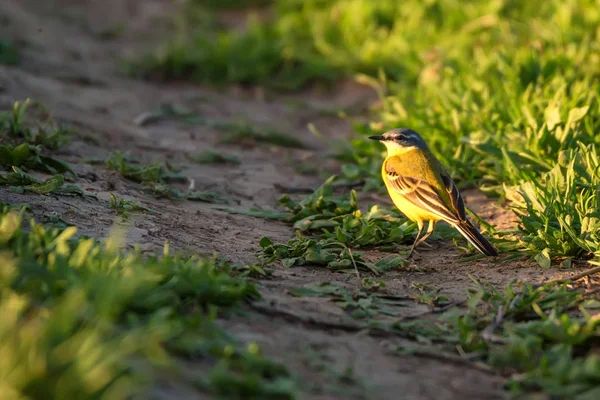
<point>376,137</point>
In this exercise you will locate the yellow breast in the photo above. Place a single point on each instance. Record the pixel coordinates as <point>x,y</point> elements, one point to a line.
<point>414,163</point>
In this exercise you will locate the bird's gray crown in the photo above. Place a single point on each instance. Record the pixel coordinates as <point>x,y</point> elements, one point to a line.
<point>406,137</point>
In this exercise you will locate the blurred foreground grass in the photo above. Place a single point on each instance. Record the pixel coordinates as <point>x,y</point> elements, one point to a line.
<point>83,319</point>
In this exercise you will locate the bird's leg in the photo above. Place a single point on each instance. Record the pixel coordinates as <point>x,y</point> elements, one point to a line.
<point>430,228</point>
<point>420,225</point>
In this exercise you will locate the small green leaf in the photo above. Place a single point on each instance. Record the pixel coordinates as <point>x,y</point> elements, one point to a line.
<point>290,262</point>
<point>74,189</point>
<point>591,304</point>
<point>48,186</point>
<point>58,166</point>
<point>552,116</point>
<point>577,114</point>
<point>5,156</point>
<point>20,178</point>
<point>206,197</point>
<point>265,242</point>
<point>21,154</point>
<point>543,258</point>
<point>389,262</point>
<point>9,224</point>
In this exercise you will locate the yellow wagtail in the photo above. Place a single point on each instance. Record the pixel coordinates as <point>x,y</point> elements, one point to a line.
<point>422,189</point>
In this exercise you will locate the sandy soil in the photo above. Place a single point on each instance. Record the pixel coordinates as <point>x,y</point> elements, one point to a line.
<point>69,65</point>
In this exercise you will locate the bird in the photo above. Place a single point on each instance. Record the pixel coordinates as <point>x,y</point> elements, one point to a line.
<point>422,190</point>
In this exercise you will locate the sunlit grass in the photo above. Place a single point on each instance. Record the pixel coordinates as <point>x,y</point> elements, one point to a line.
<point>84,319</point>
<point>499,89</point>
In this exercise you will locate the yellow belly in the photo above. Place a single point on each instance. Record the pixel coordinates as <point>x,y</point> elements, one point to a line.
<point>411,211</point>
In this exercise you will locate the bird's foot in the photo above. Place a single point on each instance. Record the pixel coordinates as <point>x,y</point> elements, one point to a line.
<point>412,255</point>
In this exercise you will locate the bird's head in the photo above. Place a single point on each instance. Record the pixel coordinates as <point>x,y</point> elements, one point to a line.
<point>401,140</point>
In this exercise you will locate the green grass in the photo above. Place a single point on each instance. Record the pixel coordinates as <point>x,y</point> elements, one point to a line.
<point>63,294</point>
<point>506,95</point>
<point>124,207</point>
<point>213,157</point>
<point>14,126</point>
<point>244,133</point>
<point>25,149</point>
<point>500,90</point>
<point>132,169</point>
<point>409,41</point>
<point>24,145</point>
<point>322,252</point>
<point>358,304</point>
<point>155,177</point>
<point>85,319</point>
<point>325,220</point>
<point>542,338</point>
<point>25,155</point>
<point>560,213</point>
<point>525,333</point>
<point>338,217</point>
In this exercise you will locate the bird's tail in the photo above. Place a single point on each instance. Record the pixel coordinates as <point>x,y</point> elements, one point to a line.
<point>475,238</point>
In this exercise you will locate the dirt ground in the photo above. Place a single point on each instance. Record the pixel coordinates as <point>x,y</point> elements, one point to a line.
<point>70,65</point>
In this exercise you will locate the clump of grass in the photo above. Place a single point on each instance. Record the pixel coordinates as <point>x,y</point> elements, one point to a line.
<point>131,169</point>
<point>523,331</point>
<point>336,225</point>
<point>21,181</point>
<point>29,156</point>
<point>253,271</point>
<point>326,252</point>
<point>339,217</point>
<point>23,145</point>
<point>487,136</point>
<point>62,294</point>
<point>559,214</point>
<point>13,126</point>
<point>360,304</point>
<point>22,151</point>
<point>154,178</point>
<point>252,59</point>
<point>429,295</point>
<point>213,157</point>
<point>246,133</point>
<point>123,207</point>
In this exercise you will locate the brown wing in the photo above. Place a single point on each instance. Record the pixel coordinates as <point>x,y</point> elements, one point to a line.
<point>420,193</point>
<point>458,203</point>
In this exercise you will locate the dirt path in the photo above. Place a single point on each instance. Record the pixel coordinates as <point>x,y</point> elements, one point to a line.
<point>69,66</point>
